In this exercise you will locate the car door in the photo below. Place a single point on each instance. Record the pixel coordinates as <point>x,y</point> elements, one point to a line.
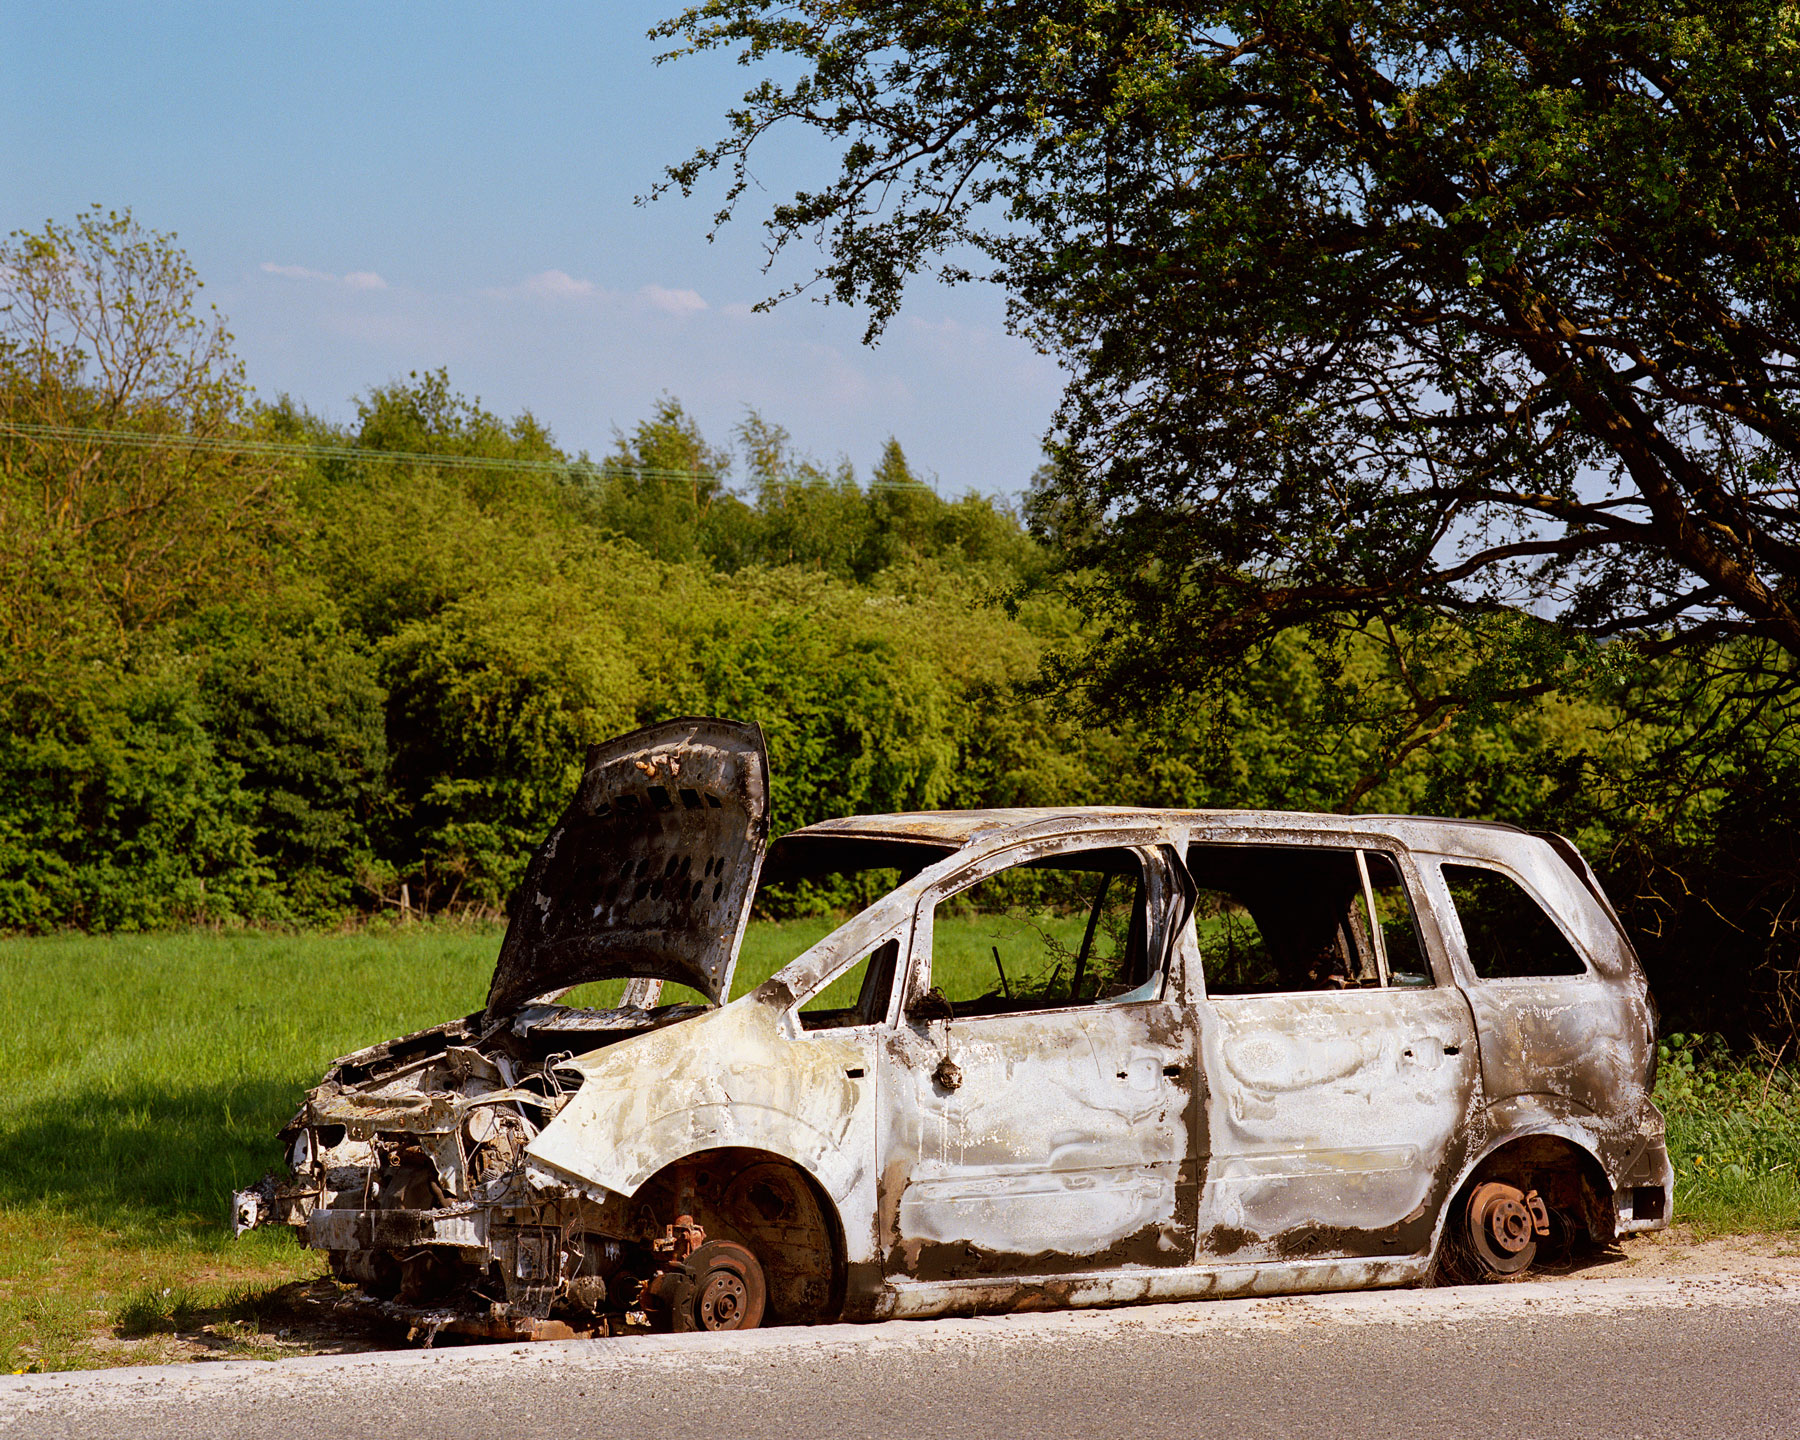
<point>1341,1057</point>
<point>1038,1109</point>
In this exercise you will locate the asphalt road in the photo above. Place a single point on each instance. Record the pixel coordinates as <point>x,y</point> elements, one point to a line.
<point>1700,1356</point>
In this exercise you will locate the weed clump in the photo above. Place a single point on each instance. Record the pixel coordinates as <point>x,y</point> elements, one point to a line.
<point>153,1310</point>
<point>1734,1135</point>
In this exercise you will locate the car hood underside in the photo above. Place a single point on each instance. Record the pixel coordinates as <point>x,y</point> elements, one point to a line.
<point>650,871</point>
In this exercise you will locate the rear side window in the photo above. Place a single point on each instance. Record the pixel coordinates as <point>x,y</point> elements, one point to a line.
<point>1508,934</point>
<point>1270,919</point>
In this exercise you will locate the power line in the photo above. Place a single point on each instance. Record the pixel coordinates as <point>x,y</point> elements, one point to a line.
<point>280,449</point>
<point>235,445</point>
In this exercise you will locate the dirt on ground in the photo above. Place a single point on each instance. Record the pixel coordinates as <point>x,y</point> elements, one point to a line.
<point>1679,1252</point>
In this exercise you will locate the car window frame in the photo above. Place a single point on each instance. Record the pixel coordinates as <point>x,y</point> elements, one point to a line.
<point>1434,941</point>
<point>852,953</point>
<point>1467,973</point>
<point>1160,855</point>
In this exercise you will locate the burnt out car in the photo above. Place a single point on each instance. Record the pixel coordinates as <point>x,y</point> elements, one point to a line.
<point>1054,1057</point>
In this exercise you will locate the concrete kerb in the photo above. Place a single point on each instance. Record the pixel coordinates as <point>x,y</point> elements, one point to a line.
<point>1449,1306</point>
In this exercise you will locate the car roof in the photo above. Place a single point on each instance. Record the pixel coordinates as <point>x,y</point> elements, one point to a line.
<point>963,827</point>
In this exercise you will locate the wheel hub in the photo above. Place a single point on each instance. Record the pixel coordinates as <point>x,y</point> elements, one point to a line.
<point>1504,1223</point>
<point>721,1302</point>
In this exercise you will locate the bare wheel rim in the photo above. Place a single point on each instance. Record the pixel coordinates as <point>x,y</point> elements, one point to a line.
<point>730,1293</point>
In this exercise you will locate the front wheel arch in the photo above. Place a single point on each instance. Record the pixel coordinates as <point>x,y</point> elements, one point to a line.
<point>775,1208</point>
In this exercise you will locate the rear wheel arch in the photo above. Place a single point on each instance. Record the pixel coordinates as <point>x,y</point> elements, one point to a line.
<point>1559,1169</point>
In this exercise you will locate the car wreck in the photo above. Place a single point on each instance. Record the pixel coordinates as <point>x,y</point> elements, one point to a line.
<point>1074,1057</point>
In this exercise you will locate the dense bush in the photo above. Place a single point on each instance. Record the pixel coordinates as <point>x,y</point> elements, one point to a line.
<point>294,689</point>
<point>118,810</point>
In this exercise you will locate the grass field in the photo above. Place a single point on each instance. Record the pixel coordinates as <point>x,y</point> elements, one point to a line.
<point>142,1079</point>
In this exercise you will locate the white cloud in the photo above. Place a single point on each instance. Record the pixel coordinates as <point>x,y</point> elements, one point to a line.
<point>552,285</point>
<point>676,302</point>
<point>295,272</point>
<point>559,285</point>
<point>355,280</point>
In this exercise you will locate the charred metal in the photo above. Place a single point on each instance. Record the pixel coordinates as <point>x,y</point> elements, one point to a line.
<point>1215,1053</point>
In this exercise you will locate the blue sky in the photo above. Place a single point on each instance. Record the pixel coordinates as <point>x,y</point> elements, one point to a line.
<point>379,188</point>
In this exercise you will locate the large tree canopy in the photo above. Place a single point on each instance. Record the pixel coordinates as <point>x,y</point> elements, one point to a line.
<point>1493,308</point>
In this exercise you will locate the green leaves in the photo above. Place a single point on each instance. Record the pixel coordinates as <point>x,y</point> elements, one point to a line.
<point>1365,308</point>
<point>1432,436</point>
<point>120,812</point>
<point>296,704</point>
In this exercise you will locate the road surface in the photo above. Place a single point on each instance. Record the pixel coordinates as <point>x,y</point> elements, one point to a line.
<point>1692,1355</point>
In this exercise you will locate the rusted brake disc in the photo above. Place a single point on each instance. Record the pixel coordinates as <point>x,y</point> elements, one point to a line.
<point>1504,1223</point>
<point>729,1289</point>
<point>717,1286</point>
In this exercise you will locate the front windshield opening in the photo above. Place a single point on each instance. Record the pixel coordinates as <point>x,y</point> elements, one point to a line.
<point>810,885</point>
<point>837,876</point>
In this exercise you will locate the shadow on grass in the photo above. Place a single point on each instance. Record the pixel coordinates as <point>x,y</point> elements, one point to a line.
<point>305,1315</point>
<point>157,1160</point>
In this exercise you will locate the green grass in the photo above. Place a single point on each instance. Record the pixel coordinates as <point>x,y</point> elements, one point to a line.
<point>1734,1135</point>
<point>142,1080</point>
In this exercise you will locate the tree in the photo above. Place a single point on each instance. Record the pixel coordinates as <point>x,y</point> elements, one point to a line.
<point>664,486</point>
<point>804,514</point>
<point>117,509</point>
<point>1489,313</point>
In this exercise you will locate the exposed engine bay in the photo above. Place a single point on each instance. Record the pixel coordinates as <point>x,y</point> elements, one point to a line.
<point>409,1169</point>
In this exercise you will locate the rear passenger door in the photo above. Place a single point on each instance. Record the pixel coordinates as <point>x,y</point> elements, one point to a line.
<point>1340,1058</point>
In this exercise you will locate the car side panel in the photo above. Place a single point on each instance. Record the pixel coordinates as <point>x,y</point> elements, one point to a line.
<point>1337,1118</point>
<point>1576,1046</point>
<point>1065,1142</point>
<point>731,1078</point>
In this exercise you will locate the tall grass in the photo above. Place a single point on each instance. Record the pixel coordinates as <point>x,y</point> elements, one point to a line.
<point>1734,1135</point>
